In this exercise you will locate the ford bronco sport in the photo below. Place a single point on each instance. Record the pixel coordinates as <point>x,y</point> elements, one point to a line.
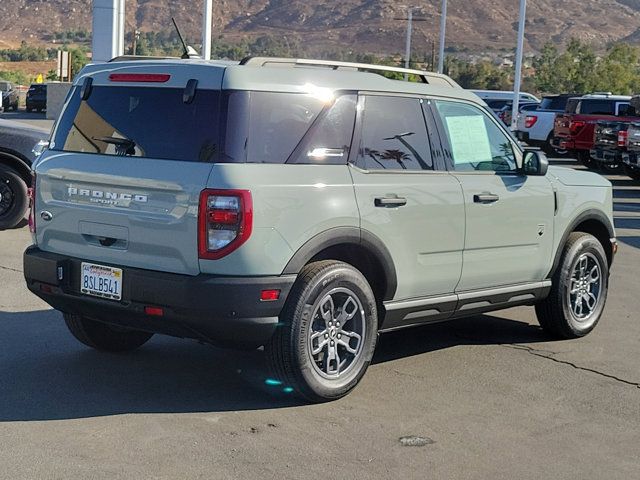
<point>304,206</point>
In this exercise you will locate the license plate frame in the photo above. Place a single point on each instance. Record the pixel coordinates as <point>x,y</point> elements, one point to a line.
<point>101,281</point>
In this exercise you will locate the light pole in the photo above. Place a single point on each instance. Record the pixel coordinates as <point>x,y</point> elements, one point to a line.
<point>207,19</point>
<point>517,81</point>
<point>443,28</point>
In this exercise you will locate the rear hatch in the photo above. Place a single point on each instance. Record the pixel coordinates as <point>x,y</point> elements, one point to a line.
<point>129,157</point>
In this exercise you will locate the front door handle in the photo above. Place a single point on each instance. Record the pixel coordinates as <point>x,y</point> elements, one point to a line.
<point>485,198</point>
<point>390,201</point>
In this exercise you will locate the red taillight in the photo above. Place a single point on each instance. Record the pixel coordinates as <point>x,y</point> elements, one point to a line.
<point>154,311</point>
<point>530,121</point>
<point>575,125</point>
<point>269,295</point>
<point>623,138</point>
<point>225,219</point>
<point>31,193</point>
<point>140,77</point>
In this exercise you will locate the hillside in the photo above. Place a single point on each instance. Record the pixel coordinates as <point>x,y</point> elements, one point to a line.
<point>362,25</point>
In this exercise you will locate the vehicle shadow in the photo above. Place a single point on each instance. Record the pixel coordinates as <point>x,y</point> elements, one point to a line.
<point>45,374</point>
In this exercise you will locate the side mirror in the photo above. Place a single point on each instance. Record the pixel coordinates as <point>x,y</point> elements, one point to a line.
<point>535,163</point>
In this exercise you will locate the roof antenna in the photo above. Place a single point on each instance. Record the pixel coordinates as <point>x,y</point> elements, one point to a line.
<point>189,51</point>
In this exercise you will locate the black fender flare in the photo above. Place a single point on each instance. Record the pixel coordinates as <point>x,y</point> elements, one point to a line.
<point>346,236</point>
<point>591,214</point>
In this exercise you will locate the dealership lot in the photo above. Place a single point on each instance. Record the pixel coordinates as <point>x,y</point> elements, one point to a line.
<point>490,396</point>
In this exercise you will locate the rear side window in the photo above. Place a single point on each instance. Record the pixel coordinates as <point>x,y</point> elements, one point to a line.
<point>597,107</point>
<point>143,122</point>
<point>265,127</point>
<point>572,105</point>
<point>394,135</point>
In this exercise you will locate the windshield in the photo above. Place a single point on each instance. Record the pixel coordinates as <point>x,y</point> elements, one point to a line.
<point>142,122</point>
<point>554,103</point>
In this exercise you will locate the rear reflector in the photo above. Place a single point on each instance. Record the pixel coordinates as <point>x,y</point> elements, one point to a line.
<point>154,311</point>
<point>269,295</point>
<point>140,77</point>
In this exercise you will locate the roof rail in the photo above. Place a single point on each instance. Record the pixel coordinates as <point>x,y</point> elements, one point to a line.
<point>128,58</point>
<point>426,77</point>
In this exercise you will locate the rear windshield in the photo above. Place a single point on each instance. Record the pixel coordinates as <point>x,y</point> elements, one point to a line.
<point>153,123</point>
<point>37,88</point>
<point>554,103</point>
<point>5,87</point>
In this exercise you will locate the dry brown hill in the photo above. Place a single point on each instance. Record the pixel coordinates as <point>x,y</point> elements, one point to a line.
<point>362,25</point>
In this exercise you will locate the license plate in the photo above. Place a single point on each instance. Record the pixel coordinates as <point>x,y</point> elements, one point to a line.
<point>101,281</point>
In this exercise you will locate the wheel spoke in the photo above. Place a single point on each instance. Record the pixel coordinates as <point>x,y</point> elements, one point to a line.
<point>577,306</point>
<point>590,300</point>
<point>333,358</point>
<point>594,275</point>
<point>575,287</point>
<point>327,308</point>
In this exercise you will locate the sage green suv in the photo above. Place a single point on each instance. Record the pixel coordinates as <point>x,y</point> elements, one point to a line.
<point>305,206</point>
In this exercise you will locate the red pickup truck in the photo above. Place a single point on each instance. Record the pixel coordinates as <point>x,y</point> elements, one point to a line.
<point>574,129</point>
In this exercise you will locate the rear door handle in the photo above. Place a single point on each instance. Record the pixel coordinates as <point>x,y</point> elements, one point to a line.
<point>390,201</point>
<point>485,198</point>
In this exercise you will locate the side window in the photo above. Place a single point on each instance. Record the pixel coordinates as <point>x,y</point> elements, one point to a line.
<point>265,127</point>
<point>476,142</point>
<point>394,135</point>
<point>328,140</point>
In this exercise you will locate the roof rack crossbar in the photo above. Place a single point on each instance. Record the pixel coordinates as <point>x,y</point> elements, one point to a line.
<point>425,77</point>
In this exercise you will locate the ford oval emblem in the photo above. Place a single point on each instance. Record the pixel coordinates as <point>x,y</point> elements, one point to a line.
<point>46,216</point>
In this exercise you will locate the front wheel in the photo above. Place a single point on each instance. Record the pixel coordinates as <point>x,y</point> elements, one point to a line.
<point>328,332</point>
<point>105,337</point>
<point>579,289</point>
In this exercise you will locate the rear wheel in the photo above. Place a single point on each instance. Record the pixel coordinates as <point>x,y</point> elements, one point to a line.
<point>105,337</point>
<point>579,289</point>
<point>13,198</point>
<point>611,168</point>
<point>328,332</point>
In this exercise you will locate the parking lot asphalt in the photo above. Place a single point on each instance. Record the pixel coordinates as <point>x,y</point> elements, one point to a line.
<point>492,398</point>
<point>30,118</point>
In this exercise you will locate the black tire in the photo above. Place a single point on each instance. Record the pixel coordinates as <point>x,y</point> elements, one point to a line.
<point>104,337</point>
<point>556,313</point>
<point>611,168</point>
<point>289,351</point>
<point>13,198</point>
<point>632,172</point>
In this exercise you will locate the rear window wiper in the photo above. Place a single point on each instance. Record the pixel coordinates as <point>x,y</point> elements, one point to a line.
<point>124,146</point>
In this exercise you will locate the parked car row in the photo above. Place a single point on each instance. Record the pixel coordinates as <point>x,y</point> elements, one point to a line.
<point>36,98</point>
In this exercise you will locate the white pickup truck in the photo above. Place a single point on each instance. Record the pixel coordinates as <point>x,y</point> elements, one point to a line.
<point>535,128</point>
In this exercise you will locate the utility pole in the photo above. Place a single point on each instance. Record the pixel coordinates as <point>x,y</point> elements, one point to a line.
<point>407,52</point>
<point>443,28</point>
<point>207,29</point>
<point>407,48</point>
<point>518,73</point>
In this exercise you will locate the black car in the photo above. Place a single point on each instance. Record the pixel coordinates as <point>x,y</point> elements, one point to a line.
<point>9,95</point>
<point>20,145</point>
<point>37,97</point>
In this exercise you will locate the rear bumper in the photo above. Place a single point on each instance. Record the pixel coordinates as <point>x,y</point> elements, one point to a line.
<point>631,159</point>
<point>605,155</point>
<point>225,311</point>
